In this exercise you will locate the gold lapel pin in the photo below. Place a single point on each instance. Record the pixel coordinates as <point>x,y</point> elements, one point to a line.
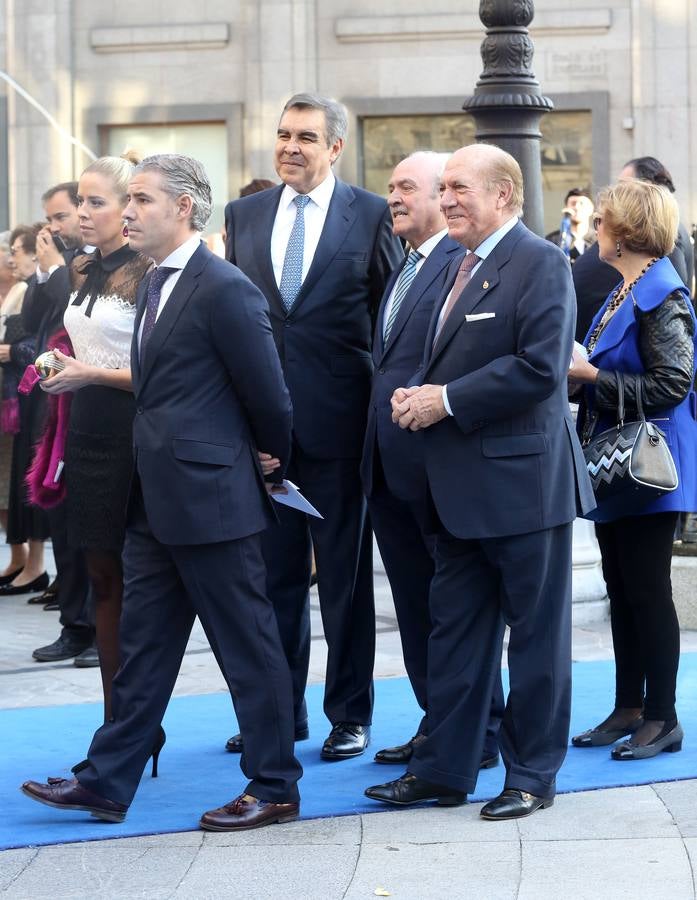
<point>485,285</point>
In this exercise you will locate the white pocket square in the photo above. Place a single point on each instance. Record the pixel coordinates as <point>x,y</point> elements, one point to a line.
<point>477,317</point>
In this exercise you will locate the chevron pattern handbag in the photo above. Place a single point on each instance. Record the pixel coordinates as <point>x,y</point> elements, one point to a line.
<point>629,465</point>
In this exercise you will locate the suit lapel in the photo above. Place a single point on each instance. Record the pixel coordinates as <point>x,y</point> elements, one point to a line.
<point>263,229</point>
<point>340,218</point>
<point>430,270</point>
<point>484,280</point>
<point>141,298</point>
<point>176,303</point>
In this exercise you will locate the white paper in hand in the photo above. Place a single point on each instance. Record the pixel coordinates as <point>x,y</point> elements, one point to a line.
<point>578,350</point>
<point>295,499</point>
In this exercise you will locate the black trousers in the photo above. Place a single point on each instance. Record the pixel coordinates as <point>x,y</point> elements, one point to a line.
<point>76,608</point>
<point>408,554</point>
<point>524,581</point>
<point>344,558</point>
<point>636,554</point>
<point>165,588</point>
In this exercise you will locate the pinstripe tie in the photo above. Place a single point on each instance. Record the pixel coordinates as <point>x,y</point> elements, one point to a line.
<point>406,276</point>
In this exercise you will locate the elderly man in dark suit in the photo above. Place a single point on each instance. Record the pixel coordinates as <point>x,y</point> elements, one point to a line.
<point>392,467</point>
<point>209,392</point>
<point>321,251</point>
<point>506,478</point>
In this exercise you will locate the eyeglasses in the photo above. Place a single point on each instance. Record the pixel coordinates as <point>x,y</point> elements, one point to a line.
<point>596,221</point>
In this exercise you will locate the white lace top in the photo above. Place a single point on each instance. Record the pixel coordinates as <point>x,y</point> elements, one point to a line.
<point>101,311</point>
<point>103,338</point>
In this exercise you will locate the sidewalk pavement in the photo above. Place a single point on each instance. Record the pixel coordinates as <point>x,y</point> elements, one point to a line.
<point>638,843</point>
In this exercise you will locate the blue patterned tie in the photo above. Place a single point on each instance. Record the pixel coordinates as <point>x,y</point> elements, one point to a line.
<point>292,275</point>
<point>406,276</point>
<point>155,285</point>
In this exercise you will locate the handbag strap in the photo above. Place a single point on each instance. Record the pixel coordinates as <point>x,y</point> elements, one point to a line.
<point>622,377</point>
<point>620,399</point>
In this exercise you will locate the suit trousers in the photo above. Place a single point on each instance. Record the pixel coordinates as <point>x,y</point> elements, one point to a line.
<point>165,588</point>
<point>342,542</point>
<point>74,598</point>
<point>408,555</point>
<point>524,581</point>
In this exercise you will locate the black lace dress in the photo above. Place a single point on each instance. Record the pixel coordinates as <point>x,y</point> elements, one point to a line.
<point>99,450</point>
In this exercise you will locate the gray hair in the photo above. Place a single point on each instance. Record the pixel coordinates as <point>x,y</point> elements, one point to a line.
<point>5,241</point>
<point>335,114</point>
<point>118,169</point>
<point>183,175</point>
<point>436,161</point>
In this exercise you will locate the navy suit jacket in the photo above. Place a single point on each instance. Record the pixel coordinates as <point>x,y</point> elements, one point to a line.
<point>508,461</point>
<point>395,363</point>
<point>209,391</point>
<point>324,342</point>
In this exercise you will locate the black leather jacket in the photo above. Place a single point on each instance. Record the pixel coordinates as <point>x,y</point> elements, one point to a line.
<point>667,351</point>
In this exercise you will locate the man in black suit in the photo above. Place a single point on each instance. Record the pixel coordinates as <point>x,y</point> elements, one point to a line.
<point>42,314</point>
<point>506,478</point>
<point>321,251</point>
<point>392,467</point>
<point>209,391</point>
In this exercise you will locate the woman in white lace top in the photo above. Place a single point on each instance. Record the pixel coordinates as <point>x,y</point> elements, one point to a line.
<point>99,319</point>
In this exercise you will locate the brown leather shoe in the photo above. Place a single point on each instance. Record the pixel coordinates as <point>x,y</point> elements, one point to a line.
<point>64,794</point>
<point>245,812</point>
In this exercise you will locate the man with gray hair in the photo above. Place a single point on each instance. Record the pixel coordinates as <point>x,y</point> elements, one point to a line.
<point>321,251</point>
<point>392,467</point>
<point>209,392</point>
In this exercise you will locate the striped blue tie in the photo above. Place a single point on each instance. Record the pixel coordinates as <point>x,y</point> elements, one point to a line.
<point>406,276</point>
<point>292,274</point>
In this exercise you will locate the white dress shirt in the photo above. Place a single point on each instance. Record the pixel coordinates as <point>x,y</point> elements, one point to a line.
<point>483,250</point>
<point>425,250</point>
<point>315,217</point>
<point>177,259</point>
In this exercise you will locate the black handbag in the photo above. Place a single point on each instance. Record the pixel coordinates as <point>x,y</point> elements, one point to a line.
<point>629,465</point>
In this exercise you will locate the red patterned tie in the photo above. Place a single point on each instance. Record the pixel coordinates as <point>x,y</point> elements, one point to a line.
<point>464,273</point>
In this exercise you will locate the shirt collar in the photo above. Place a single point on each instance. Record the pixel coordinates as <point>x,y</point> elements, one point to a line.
<point>321,195</point>
<point>488,244</point>
<point>429,246</point>
<point>178,258</point>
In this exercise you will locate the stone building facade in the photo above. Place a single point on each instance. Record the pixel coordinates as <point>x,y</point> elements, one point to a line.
<point>209,78</point>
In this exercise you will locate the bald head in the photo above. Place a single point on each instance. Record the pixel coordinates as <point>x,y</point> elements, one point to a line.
<point>414,197</point>
<point>482,189</point>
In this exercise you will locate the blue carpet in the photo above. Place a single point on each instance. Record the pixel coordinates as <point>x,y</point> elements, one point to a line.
<point>197,774</point>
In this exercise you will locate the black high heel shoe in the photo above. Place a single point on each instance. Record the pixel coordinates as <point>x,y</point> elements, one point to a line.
<point>160,741</point>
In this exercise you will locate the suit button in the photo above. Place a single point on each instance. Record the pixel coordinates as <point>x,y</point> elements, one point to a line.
<point>381,371</point>
<point>140,410</point>
<point>287,324</point>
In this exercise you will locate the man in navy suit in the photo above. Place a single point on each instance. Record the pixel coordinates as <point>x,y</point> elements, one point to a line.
<point>392,467</point>
<point>209,392</point>
<point>506,477</point>
<point>321,251</point>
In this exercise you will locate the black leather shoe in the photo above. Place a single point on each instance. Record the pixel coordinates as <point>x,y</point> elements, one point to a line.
<point>409,789</point>
<point>63,794</point>
<point>401,754</point>
<point>52,606</point>
<point>6,579</point>
<point>346,739</point>
<point>235,745</point>
<point>88,659</point>
<point>48,596</point>
<point>514,804</point>
<point>40,583</point>
<point>62,648</point>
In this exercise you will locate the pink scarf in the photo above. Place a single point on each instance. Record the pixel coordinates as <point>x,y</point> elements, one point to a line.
<point>45,484</point>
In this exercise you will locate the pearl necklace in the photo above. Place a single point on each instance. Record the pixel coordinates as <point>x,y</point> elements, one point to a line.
<point>618,297</point>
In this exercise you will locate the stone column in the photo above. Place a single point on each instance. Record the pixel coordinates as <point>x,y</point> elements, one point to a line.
<point>38,56</point>
<point>507,103</point>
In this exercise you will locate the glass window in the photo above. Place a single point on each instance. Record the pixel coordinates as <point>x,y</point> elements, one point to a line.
<point>205,141</point>
<point>565,150</point>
